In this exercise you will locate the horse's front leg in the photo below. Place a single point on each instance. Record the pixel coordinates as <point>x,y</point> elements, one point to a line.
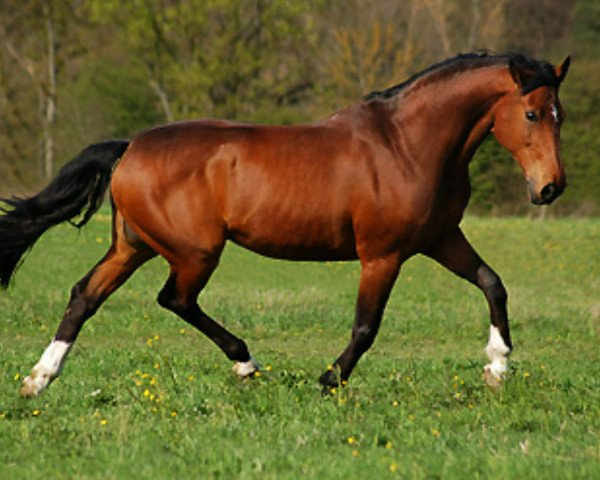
<point>455,253</point>
<point>376,281</point>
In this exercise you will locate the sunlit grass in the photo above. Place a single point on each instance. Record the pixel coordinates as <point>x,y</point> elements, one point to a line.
<point>143,395</point>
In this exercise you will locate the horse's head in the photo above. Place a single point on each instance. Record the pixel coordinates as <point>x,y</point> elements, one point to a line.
<point>527,123</point>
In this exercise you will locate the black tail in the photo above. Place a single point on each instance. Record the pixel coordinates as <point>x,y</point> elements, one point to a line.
<point>80,184</point>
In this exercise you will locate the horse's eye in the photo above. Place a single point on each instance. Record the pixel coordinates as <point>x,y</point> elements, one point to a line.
<point>531,116</point>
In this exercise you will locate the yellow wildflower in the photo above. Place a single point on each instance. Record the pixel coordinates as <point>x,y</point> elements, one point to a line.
<point>389,445</point>
<point>103,422</point>
<point>17,376</point>
<point>355,453</point>
<point>173,413</point>
<point>435,432</point>
<point>351,440</point>
<point>393,467</point>
<point>146,393</point>
<point>35,413</point>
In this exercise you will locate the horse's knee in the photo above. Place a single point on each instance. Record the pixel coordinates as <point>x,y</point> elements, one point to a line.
<point>497,293</point>
<point>491,284</point>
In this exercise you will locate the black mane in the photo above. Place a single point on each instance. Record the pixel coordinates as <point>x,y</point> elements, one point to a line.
<point>537,73</point>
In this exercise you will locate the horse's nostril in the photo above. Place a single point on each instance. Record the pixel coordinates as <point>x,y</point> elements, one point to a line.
<point>548,192</point>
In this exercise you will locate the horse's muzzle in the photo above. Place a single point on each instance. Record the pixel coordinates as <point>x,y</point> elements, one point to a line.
<point>546,195</point>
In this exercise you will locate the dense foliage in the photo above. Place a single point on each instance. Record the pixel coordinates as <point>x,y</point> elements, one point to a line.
<point>73,72</point>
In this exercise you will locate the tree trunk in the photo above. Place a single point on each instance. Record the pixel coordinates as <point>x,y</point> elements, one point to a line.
<point>164,101</point>
<point>50,99</point>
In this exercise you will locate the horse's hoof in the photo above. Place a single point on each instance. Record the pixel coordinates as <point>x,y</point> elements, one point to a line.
<point>329,380</point>
<point>491,379</point>
<point>246,369</point>
<point>32,385</point>
<point>27,391</point>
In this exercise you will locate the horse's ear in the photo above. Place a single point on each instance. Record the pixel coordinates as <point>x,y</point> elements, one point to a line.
<point>562,69</point>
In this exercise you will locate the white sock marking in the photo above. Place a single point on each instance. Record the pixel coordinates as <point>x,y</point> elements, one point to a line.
<point>47,369</point>
<point>497,351</point>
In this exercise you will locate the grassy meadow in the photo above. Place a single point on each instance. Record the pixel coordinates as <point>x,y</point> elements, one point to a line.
<point>145,396</point>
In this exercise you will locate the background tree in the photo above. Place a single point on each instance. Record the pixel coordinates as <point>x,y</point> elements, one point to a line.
<point>372,45</point>
<point>37,41</point>
<point>77,71</point>
<point>216,58</point>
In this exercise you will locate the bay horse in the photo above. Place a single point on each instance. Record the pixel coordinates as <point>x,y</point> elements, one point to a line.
<point>379,181</point>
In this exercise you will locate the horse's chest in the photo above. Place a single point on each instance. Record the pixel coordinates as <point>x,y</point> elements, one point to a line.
<point>449,203</point>
<point>435,210</point>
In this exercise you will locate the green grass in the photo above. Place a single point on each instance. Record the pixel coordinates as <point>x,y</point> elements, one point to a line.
<point>416,406</point>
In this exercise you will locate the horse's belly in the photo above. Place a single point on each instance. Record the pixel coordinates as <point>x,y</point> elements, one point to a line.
<point>300,252</point>
<point>294,239</point>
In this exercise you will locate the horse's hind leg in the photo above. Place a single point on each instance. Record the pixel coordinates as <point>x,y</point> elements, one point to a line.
<point>180,294</point>
<point>125,255</point>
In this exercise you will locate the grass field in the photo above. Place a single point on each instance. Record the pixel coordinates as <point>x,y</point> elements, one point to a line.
<point>145,396</point>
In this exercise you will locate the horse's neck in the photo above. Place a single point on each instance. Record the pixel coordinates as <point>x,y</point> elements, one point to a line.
<point>449,119</point>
